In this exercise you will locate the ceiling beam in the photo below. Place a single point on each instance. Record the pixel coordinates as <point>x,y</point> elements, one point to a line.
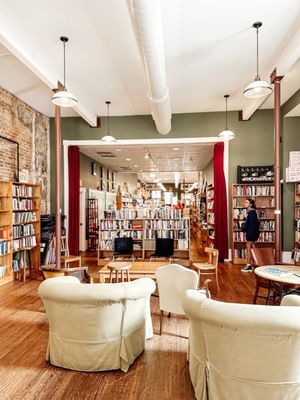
<point>14,43</point>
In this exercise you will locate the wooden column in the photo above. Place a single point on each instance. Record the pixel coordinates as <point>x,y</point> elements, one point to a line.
<point>276,80</point>
<point>58,184</point>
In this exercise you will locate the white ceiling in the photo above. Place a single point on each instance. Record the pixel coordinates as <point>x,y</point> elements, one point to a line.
<point>164,160</point>
<point>209,50</point>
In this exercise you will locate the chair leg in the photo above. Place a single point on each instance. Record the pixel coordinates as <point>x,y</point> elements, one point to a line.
<point>111,276</point>
<point>122,276</point>
<point>160,322</point>
<point>217,279</point>
<point>80,262</point>
<point>256,290</point>
<point>128,276</point>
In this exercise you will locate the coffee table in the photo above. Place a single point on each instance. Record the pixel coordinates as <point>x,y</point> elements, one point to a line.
<point>285,276</point>
<point>138,269</point>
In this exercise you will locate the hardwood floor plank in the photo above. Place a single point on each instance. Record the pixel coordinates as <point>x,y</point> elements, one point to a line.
<point>160,373</point>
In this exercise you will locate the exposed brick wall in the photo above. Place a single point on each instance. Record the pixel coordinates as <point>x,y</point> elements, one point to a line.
<point>28,127</point>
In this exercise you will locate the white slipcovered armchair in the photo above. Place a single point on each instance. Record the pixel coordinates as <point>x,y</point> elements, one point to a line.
<point>243,352</point>
<point>96,327</point>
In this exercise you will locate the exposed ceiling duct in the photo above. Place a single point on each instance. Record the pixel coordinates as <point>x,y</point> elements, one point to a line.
<point>146,20</point>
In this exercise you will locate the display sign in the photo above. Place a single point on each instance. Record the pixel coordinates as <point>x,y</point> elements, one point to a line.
<point>252,174</point>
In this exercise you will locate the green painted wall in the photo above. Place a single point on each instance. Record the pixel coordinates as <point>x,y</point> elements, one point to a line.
<point>291,142</point>
<point>253,144</point>
<point>89,180</point>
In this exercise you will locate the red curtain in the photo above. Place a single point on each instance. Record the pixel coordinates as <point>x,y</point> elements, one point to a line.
<point>220,202</point>
<point>74,176</point>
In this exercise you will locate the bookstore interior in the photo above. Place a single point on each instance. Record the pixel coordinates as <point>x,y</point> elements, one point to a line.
<point>167,181</point>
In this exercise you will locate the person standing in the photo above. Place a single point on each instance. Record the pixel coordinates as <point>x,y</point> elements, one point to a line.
<point>251,228</point>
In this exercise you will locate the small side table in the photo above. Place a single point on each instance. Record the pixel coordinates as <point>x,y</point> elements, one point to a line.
<point>116,268</point>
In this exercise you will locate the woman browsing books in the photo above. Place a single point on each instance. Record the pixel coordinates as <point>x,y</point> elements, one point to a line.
<point>251,228</point>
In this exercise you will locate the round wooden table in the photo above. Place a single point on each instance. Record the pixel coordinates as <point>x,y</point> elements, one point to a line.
<point>285,276</point>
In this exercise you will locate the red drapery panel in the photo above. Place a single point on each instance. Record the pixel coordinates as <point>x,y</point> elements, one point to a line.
<point>74,176</point>
<point>220,202</point>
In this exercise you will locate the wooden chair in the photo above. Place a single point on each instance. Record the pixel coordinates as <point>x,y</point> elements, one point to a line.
<point>211,266</point>
<point>66,258</point>
<point>262,256</point>
<point>117,268</point>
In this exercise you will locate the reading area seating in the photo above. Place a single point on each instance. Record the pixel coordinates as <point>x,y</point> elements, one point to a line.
<point>96,327</point>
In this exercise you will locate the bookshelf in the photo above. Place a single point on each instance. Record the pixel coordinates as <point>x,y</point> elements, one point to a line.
<point>144,225</point>
<point>263,195</point>
<point>19,230</point>
<point>92,224</point>
<point>26,217</point>
<point>198,218</point>
<point>6,274</point>
<point>210,216</point>
<point>296,251</point>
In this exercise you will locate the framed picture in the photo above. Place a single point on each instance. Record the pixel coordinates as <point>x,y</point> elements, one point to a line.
<point>255,174</point>
<point>94,169</point>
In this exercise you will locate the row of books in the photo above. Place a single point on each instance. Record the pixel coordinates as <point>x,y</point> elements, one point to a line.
<point>22,191</point>
<point>209,194</point>
<point>119,224</point>
<point>296,254</point>
<point>263,237</point>
<point>4,248</point>
<point>106,244</point>
<point>263,225</point>
<point>162,234</point>
<point>210,218</point>
<point>23,230</point>
<point>110,235</point>
<point>210,204</point>
<point>251,190</point>
<point>297,224</point>
<point>24,243</point>
<point>20,218</point>
<point>2,270</point>
<point>241,213</point>
<point>126,213</point>
<point>23,204</point>
<point>239,202</point>
<point>239,253</point>
<point>167,224</point>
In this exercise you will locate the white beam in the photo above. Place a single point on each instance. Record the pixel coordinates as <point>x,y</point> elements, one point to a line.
<point>27,55</point>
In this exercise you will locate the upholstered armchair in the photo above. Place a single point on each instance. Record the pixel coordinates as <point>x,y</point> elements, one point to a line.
<point>96,327</point>
<point>243,351</point>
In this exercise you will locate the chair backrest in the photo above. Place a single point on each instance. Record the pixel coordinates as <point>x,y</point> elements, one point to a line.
<point>239,345</point>
<point>164,247</point>
<point>89,324</point>
<point>263,256</point>
<point>172,281</point>
<point>124,245</point>
<point>64,246</point>
<point>213,255</point>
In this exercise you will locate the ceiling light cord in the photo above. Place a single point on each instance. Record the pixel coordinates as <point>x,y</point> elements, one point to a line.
<point>64,65</point>
<point>107,104</point>
<point>257,78</point>
<point>226,125</point>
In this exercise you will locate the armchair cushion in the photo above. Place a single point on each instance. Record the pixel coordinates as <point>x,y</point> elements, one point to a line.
<point>95,327</point>
<point>250,351</point>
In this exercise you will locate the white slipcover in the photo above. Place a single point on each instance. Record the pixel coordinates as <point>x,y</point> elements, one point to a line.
<point>241,351</point>
<point>96,327</point>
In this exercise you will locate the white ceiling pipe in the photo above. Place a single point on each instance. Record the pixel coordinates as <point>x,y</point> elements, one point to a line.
<point>146,20</point>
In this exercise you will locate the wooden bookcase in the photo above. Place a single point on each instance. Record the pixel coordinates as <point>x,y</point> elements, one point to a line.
<point>26,230</point>
<point>210,216</point>
<point>6,274</point>
<point>296,252</point>
<point>143,225</point>
<point>263,195</point>
<point>92,224</point>
<point>20,230</point>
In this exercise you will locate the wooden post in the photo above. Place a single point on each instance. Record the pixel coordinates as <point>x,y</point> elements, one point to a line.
<point>276,80</point>
<point>58,184</point>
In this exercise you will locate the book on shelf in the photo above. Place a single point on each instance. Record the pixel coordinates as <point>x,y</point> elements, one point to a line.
<point>2,270</point>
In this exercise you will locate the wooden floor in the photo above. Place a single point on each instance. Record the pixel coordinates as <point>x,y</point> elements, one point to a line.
<point>161,372</point>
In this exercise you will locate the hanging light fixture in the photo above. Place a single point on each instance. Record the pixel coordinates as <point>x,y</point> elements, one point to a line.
<point>63,98</point>
<point>226,134</point>
<point>257,88</point>
<point>108,138</point>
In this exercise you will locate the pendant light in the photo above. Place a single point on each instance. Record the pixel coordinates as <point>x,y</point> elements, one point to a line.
<point>257,88</point>
<point>226,134</point>
<point>63,98</point>
<point>108,138</point>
